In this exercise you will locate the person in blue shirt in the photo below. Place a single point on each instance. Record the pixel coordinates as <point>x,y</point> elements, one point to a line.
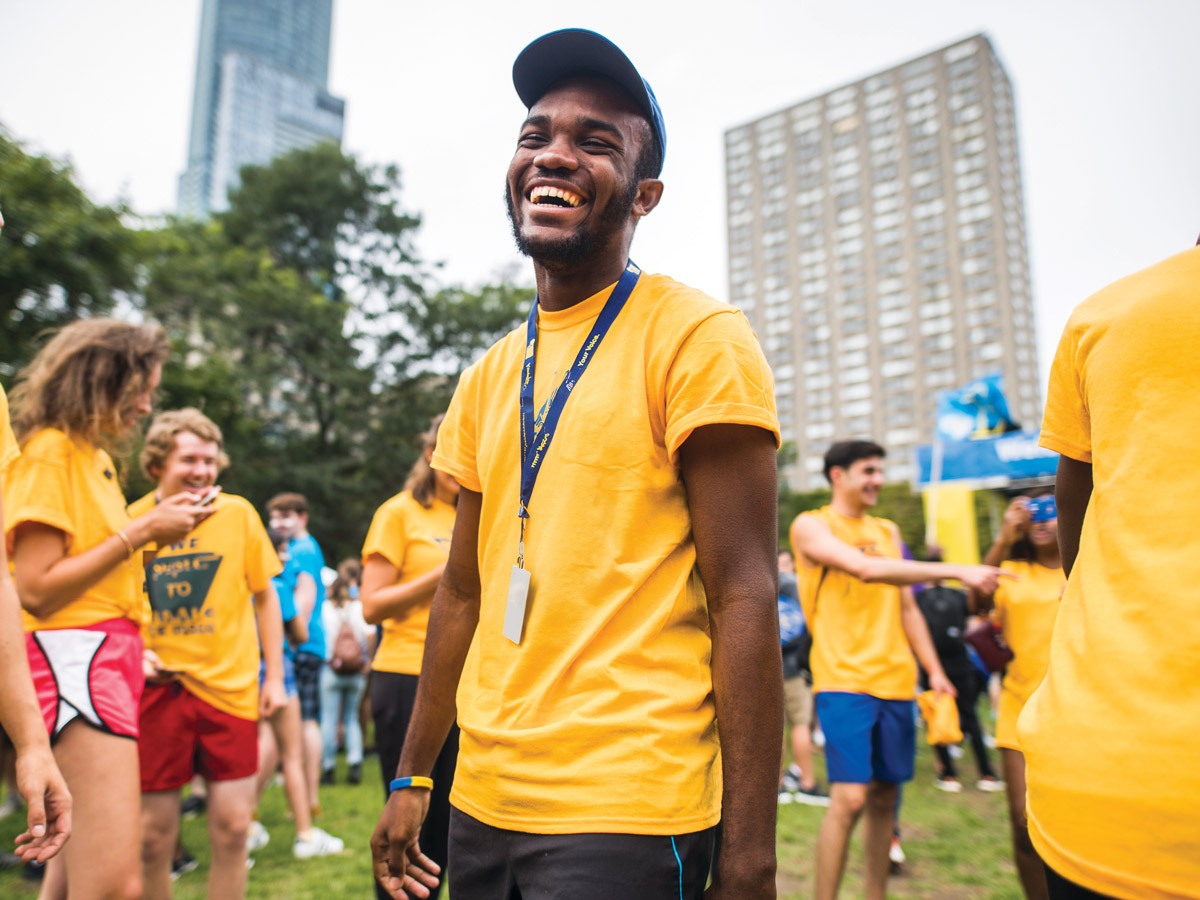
<point>289,516</point>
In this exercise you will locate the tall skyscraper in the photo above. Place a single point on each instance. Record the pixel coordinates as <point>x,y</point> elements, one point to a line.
<point>877,244</point>
<point>261,75</point>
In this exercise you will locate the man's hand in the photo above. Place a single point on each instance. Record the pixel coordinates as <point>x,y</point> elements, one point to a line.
<point>272,699</point>
<point>940,684</point>
<point>984,579</point>
<point>48,802</point>
<point>399,865</point>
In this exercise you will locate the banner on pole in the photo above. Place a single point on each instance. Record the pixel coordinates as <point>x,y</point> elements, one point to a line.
<point>987,462</point>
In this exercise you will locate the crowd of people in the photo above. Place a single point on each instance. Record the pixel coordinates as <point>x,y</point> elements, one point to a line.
<point>578,690</point>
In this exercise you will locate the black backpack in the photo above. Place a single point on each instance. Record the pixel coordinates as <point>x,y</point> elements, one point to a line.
<point>945,612</point>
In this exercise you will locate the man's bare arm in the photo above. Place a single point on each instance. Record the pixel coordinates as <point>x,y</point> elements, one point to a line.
<point>812,537</point>
<point>729,473</point>
<point>1072,493</point>
<point>453,618</point>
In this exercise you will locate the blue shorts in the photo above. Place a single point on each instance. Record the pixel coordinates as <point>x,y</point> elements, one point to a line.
<point>289,675</point>
<point>867,739</point>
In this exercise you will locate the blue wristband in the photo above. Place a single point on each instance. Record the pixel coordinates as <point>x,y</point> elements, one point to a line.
<point>411,781</point>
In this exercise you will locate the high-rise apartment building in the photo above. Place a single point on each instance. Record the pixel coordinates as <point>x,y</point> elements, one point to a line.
<point>877,245</point>
<point>261,75</point>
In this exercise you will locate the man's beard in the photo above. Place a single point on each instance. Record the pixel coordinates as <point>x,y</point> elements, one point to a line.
<point>580,244</point>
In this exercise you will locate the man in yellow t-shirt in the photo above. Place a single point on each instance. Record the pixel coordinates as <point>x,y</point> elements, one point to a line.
<point>610,594</point>
<point>199,713</point>
<point>1122,691</point>
<point>866,628</point>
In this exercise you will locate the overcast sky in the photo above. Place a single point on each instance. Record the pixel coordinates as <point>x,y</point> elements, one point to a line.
<point>1108,110</point>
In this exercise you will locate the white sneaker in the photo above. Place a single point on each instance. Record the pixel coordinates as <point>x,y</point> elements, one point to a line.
<point>896,853</point>
<point>257,837</point>
<point>12,804</point>
<point>990,784</point>
<point>319,843</point>
<point>785,797</point>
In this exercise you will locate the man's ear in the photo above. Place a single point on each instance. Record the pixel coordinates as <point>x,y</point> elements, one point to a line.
<point>648,194</point>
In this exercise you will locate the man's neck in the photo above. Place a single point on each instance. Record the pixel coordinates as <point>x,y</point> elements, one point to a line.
<point>1049,556</point>
<point>847,506</point>
<point>299,534</point>
<point>562,288</point>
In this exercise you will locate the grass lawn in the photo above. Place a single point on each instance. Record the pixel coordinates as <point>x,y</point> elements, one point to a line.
<point>957,845</point>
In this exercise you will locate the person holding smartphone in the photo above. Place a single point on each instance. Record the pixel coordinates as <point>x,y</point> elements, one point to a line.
<point>75,554</point>
<point>1025,609</point>
<point>202,701</point>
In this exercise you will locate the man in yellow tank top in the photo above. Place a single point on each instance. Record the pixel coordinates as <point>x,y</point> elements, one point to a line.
<point>866,628</point>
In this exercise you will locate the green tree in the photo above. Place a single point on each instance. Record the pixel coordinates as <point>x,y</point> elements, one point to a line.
<point>308,296</point>
<point>62,257</point>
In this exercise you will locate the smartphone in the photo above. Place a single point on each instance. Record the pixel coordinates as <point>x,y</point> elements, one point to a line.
<point>210,497</point>
<point>1042,509</point>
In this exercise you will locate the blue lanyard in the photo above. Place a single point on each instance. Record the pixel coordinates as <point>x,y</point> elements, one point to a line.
<point>533,454</point>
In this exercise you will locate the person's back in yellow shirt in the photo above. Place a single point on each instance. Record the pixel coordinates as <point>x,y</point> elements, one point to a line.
<point>1110,735</point>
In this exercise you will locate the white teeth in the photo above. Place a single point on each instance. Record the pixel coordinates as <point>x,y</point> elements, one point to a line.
<point>567,197</point>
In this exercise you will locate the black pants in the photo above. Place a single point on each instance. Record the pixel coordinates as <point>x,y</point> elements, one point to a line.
<point>966,681</point>
<point>496,864</point>
<point>392,699</point>
<point>1061,889</point>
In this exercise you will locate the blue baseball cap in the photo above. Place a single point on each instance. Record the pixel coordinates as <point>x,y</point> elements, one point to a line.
<point>577,51</point>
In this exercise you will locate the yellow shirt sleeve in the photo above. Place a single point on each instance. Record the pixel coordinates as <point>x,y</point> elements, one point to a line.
<point>456,448</point>
<point>719,375</point>
<point>38,489</point>
<point>1067,425</point>
<point>386,536</point>
<point>8,441</point>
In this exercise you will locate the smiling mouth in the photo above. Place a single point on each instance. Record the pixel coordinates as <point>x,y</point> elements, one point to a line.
<point>544,195</point>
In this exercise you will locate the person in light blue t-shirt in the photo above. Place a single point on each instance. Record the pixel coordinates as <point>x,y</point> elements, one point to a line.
<point>289,516</point>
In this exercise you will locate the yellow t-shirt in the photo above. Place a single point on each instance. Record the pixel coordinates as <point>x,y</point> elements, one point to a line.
<point>73,487</point>
<point>8,441</point>
<point>203,622</point>
<point>1025,612</point>
<point>1110,736</point>
<point>859,644</point>
<point>602,719</point>
<point>415,540</point>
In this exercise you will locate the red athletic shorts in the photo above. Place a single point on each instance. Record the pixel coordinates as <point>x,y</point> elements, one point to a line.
<point>183,736</point>
<point>93,674</point>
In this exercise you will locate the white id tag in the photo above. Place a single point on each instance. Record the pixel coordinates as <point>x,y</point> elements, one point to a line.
<point>514,611</point>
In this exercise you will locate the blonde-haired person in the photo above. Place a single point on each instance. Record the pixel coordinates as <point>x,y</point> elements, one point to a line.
<point>1026,608</point>
<point>78,574</point>
<point>38,778</point>
<point>403,558</point>
<point>199,711</point>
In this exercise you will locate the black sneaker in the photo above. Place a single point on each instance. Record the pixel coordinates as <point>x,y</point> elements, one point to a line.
<point>182,864</point>
<point>327,776</point>
<point>354,776</point>
<point>813,796</point>
<point>193,806</point>
<point>791,778</point>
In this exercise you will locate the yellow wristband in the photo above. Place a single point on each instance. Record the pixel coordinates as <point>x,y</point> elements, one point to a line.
<point>417,781</point>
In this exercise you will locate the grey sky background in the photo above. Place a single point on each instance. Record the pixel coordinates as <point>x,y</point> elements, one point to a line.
<point>1108,111</point>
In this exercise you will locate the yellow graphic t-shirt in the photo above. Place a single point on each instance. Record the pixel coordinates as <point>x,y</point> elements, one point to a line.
<point>602,719</point>
<point>73,487</point>
<point>859,644</point>
<point>415,540</point>
<point>8,441</point>
<point>1110,736</point>
<point>203,622</point>
<point>1025,612</point>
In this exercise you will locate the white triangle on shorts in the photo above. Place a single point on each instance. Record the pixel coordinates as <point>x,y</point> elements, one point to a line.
<point>70,652</point>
